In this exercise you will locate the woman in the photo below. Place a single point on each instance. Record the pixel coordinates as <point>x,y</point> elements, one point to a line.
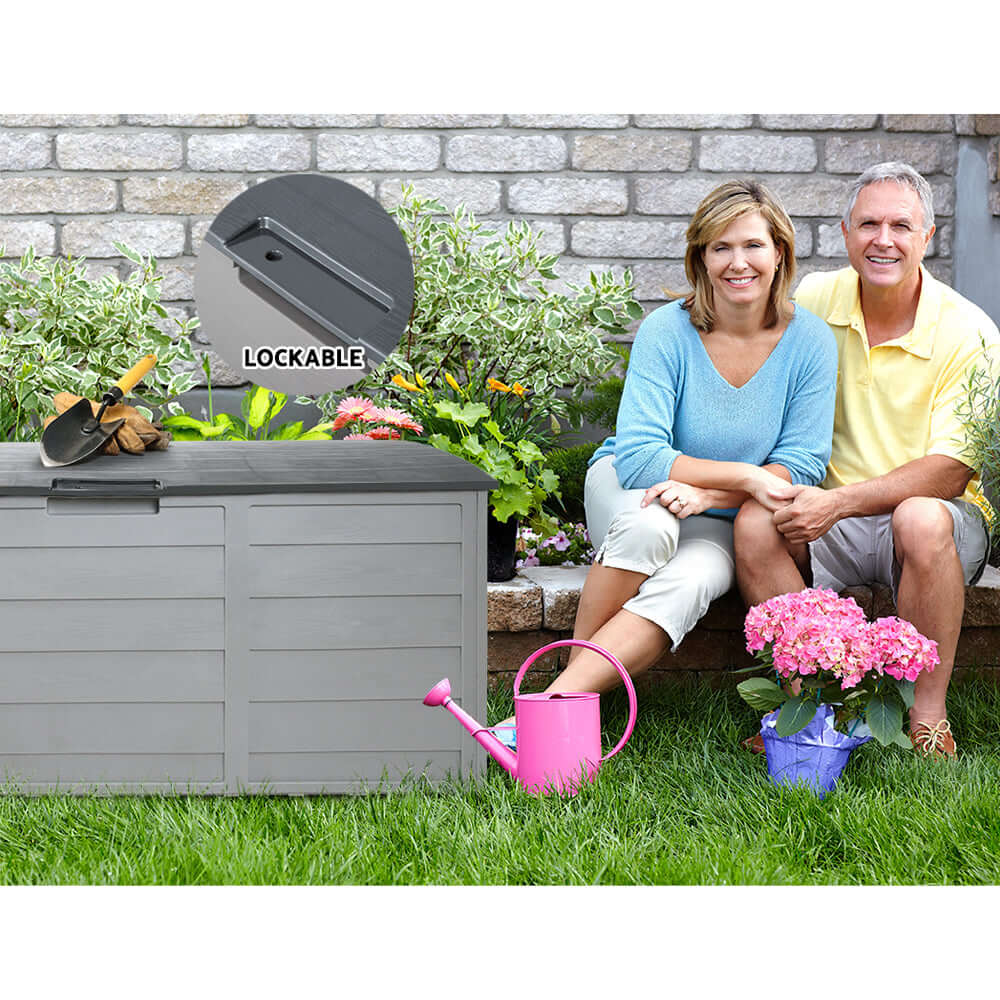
<point>729,392</point>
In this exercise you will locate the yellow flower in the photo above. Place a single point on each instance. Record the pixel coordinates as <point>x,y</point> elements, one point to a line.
<point>402,383</point>
<point>420,380</point>
<point>451,381</point>
<point>518,389</point>
<point>497,386</point>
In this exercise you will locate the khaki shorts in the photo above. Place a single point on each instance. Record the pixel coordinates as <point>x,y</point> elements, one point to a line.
<point>859,551</point>
<point>688,563</point>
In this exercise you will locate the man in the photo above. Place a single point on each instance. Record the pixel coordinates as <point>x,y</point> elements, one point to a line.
<point>896,505</point>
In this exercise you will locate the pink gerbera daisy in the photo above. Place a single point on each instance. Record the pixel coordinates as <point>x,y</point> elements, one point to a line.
<point>382,434</point>
<point>398,418</point>
<point>354,407</point>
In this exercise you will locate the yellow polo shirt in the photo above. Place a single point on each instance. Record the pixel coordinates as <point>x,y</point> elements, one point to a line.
<point>896,401</point>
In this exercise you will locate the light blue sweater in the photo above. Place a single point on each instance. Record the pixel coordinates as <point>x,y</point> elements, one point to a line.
<point>676,403</point>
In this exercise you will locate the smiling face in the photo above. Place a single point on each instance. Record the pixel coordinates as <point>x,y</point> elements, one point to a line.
<point>741,262</point>
<point>885,241</point>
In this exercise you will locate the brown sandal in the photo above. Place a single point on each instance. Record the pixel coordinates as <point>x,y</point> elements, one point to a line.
<point>933,741</point>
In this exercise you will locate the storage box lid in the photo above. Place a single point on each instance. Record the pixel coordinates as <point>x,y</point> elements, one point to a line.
<point>221,467</point>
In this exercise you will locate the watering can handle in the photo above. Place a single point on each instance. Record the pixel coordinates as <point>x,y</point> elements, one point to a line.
<point>633,706</point>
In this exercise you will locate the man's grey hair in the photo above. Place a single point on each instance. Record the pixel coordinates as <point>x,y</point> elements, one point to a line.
<point>898,173</point>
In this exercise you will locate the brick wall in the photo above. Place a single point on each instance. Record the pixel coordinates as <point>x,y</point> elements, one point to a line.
<point>990,125</point>
<point>606,190</point>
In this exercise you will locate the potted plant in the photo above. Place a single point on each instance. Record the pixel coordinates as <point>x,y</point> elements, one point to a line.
<point>856,678</point>
<point>61,331</point>
<point>498,359</point>
<point>487,424</point>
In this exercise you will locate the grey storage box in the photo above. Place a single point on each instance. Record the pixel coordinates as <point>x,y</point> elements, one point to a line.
<point>229,617</point>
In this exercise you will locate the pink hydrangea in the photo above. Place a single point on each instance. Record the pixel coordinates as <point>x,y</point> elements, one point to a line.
<point>902,652</point>
<point>816,632</point>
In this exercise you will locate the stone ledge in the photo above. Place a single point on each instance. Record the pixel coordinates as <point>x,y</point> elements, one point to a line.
<point>547,597</point>
<point>539,606</point>
<point>560,587</point>
<point>514,605</point>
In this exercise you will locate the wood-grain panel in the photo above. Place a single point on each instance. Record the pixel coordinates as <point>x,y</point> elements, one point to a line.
<point>167,728</point>
<point>61,770</point>
<point>332,770</point>
<point>353,674</point>
<point>369,570</point>
<point>68,626</point>
<point>336,523</point>
<point>144,675</point>
<point>368,726</point>
<point>354,622</point>
<point>151,571</point>
<point>34,527</point>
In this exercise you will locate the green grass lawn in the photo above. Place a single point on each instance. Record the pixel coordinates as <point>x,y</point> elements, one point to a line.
<point>682,804</point>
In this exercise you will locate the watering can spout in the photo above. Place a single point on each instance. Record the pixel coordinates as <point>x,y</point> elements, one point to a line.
<point>440,694</point>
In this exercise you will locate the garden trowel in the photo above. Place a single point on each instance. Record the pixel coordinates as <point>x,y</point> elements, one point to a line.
<point>77,433</point>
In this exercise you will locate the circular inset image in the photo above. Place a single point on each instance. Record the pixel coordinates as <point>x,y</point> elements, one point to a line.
<point>304,284</point>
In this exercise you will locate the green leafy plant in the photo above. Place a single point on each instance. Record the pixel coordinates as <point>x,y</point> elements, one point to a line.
<point>484,308</point>
<point>570,465</point>
<point>508,406</point>
<point>569,546</point>
<point>979,411</point>
<point>601,407</point>
<point>62,331</point>
<point>452,420</point>
<point>259,408</point>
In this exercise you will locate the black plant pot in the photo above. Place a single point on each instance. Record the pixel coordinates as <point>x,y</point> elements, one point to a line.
<point>501,537</point>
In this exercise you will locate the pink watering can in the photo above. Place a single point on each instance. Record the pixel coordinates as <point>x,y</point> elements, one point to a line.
<point>558,735</point>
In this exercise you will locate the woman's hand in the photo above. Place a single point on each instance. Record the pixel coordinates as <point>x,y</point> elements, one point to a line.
<point>759,483</point>
<point>679,498</point>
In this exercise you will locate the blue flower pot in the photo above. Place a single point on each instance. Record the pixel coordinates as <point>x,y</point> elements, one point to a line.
<point>815,756</point>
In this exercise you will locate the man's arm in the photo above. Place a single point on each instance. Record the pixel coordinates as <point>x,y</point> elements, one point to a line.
<point>814,511</point>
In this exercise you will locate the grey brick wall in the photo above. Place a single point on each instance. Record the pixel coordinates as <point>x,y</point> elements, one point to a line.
<point>606,190</point>
<point>990,125</point>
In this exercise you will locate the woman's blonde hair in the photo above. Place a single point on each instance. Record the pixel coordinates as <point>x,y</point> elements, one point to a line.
<point>716,211</point>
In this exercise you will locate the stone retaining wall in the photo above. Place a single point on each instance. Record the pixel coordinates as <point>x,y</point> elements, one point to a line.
<point>539,606</point>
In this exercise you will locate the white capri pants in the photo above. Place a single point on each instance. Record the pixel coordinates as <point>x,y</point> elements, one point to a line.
<point>688,562</point>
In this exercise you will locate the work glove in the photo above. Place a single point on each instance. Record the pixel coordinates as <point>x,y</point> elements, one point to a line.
<point>135,436</point>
